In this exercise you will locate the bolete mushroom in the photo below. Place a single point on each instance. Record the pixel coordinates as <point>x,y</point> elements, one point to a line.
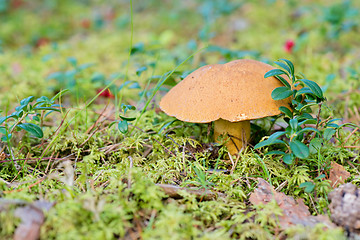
<point>229,94</point>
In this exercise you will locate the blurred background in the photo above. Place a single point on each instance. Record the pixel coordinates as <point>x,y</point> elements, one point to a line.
<point>49,45</point>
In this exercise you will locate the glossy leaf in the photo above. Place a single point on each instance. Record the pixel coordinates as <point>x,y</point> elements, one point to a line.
<point>283,81</point>
<point>286,111</point>
<point>129,119</point>
<point>123,126</point>
<point>31,128</point>
<point>299,149</point>
<point>288,158</point>
<point>47,108</point>
<point>284,66</point>
<point>2,130</point>
<point>274,72</point>
<point>304,90</point>
<point>6,138</point>
<point>26,101</point>
<point>328,133</point>
<point>290,64</point>
<point>308,121</point>
<point>275,135</point>
<point>308,186</point>
<point>314,87</point>
<point>267,143</point>
<point>281,93</point>
<point>309,129</point>
<point>293,123</point>
<point>315,145</point>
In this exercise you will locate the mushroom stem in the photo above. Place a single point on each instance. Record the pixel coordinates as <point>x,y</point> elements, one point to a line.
<point>239,133</point>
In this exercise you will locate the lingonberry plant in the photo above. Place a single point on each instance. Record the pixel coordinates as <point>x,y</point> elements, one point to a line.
<point>303,129</point>
<point>123,123</point>
<point>27,116</point>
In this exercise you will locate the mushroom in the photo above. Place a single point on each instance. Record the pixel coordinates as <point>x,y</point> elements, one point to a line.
<point>229,94</point>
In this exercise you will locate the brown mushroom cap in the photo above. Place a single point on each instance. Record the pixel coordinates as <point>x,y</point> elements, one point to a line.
<point>234,91</point>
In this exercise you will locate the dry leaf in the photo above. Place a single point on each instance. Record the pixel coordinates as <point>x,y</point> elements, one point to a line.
<point>174,192</point>
<point>338,174</point>
<point>31,221</point>
<point>294,211</point>
<point>31,215</point>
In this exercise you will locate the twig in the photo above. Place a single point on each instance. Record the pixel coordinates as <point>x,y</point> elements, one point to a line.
<point>312,203</point>
<point>97,120</point>
<point>348,146</point>
<point>29,187</point>
<point>89,137</point>
<point>282,185</point>
<point>348,137</point>
<point>173,192</point>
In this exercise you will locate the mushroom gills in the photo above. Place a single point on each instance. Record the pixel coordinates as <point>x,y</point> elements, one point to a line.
<point>239,133</point>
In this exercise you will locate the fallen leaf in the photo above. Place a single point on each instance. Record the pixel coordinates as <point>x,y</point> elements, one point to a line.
<point>31,221</point>
<point>338,174</point>
<point>174,192</point>
<point>31,216</point>
<point>294,211</point>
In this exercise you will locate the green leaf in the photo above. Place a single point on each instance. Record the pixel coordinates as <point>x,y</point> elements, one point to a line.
<point>299,149</point>
<point>129,119</point>
<point>333,125</point>
<point>275,135</point>
<point>125,107</point>
<point>2,130</point>
<point>36,118</point>
<point>315,145</point>
<point>123,126</point>
<point>47,108</point>
<point>314,87</point>
<point>283,80</point>
<point>3,119</point>
<point>286,111</point>
<point>140,70</point>
<point>26,101</point>
<point>6,138</point>
<point>85,66</point>
<point>31,128</point>
<point>290,64</point>
<point>293,123</point>
<point>275,72</point>
<point>288,158</point>
<point>304,90</point>
<point>308,121</point>
<point>320,176</point>
<point>328,133</point>
<point>267,143</point>
<point>308,186</point>
<point>309,129</point>
<point>72,61</point>
<point>281,93</point>
<point>284,66</point>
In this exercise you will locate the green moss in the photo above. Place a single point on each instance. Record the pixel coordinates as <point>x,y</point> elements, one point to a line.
<point>103,183</point>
